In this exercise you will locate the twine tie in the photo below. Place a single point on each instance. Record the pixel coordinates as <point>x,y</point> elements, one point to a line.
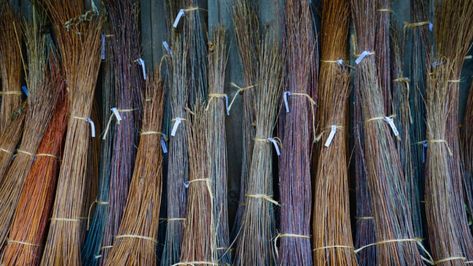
<point>163,139</point>
<point>275,141</point>
<point>219,95</point>
<point>263,197</point>
<point>115,113</point>
<point>88,120</point>
<point>240,90</point>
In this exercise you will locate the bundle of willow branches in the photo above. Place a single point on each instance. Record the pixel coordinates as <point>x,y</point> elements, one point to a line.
<point>449,236</point>
<point>247,33</point>
<point>383,50</point>
<point>10,63</point>
<point>395,241</point>
<point>467,140</point>
<point>216,108</point>
<point>81,60</point>
<point>45,83</point>
<point>28,230</point>
<point>332,236</point>
<point>10,137</point>
<point>135,243</point>
<point>255,245</point>
<point>123,16</point>
<point>296,128</point>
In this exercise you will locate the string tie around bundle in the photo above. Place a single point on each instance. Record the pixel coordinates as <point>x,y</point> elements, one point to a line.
<point>163,140</point>
<point>390,121</point>
<point>173,219</point>
<point>115,113</point>
<point>265,197</point>
<point>88,120</point>
<point>287,94</point>
<point>47,155</point>
<point>195,263</point>
<point>30,154</point>
<point>146,238</point>
<point>6,151</point>
<point>454,81</point>
<point>339,62</point>
<point>23,243</point>
<point>448,259</point>
<point>96,202</point>
<point>216,96</point>
<point>362,56</point>
<point>364,218</point>
<point>59,219</point>
<point>409,25</point>
<point>332,247</point>
<point>141,62</point>
<point>385,10</point>
<point>275,141</point>
<point>288,235</point>
<point>182,13</point>
<point>87,16</point>
<point>188,183</point>
<point>13,93</point>
<point>177,121</point>
<point>240,90</point>
<point>425,143</point>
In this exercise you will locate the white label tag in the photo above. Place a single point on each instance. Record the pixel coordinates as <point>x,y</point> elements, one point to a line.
<point>117,114</point>
<point>361,57</point>
<point>178,18</point>
<point>390,122</point>
<point>227,106</point>
<point>141,62</point>
<point>276,146</point>
<point>167,47</point>
<point>164,146</point>
<point>103,48</point>
<point>331,136</point>
<point>92,127</point>
<point>285,96</point>
<point>176,126</point>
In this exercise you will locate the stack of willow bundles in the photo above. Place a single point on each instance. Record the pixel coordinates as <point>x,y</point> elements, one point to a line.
<point>395,243</point>
<point>332,236</point>
<point>135,243</point>
<point>383,50</point>
<point>10,63</point>
<point>247,33</point>
<point>296,127</point>
<point>81,60</point>
<point>449,235</point>
<point>123,18</point>
<point>255,245</point>
<point>217,146</point>
<point>44,82</point>
<point>28,230</point>
<point>10,137</point>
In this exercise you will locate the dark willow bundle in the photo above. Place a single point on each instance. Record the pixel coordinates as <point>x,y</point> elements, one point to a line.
<point>383,50</point>
<point>44,82</point>
<point>81,60</point>
<point>246,24</point>
<point>28,230</point>
<point>332,236</point>
<point>296,127</point>
<point>467,139</point>
<point>9,139</point>
<point>10,63</point>
<point>449,236</point>
<point>123,17</point>
<point>135,243</point>
<point>255,245</point>
<point>217,142</point>
<point>91,249</point>
<point>395,241</point>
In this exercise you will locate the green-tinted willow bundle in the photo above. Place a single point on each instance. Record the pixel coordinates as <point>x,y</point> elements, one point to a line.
<point>332,236</point>
<point>383,50</point>
<point>135,243</point>
<point>395,243</point>
<point>467,140</point>
<point>123,17</point>
<point>80,55</point>
<point>10,137</point>
<point>217,141</point>
<point>44,83</point>
<point>10,63</point>
<point>449,236</point>
<point>28,230</point>
<point>296,127</point>
<point>255,238</point>
<point>91,250</point>
<point>246,24</point>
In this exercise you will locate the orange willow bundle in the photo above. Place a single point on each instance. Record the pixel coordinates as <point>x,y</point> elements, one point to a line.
<point>332,236</point>
<point>135,243</point>
<point>78,37</point>
<point>44,83</point>
<point>10,63</point>
<point>9,139</point>
<point>28,230</point>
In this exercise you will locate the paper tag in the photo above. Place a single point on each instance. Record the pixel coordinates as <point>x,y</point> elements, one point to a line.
<point>176,126</point>
<point>276,146</point>
<point>227,106</point>
<point>167,47</point>
<point>425,145</point>
<point>286,102</point>
<point>178,18</point>
<point>24,89</point>
<point>117,114</point>
<point>390,122</point>
<point>92,127</point>
<point>340,62</point>
<point>331,136</point>
<point>361,57</point>
<point>103,48</point>
<point>431,26</point>
<point>141,62</point>
<point>186,184</point>
<point>164,146</point>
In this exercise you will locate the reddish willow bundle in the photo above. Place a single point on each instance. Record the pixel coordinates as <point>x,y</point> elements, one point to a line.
<point>449,236</point>
<point>135,243</point>
<point>217,142</point>
<point>44,83</point>
<point>395,241</point>
<point>10,63</point>
<point>255,245</point>
<point>81,60</point>
<point>332,236</point>
<point>296,128</point>
<point>28,229</point>
<point>123,16</point>
<point>199,226</point>
<point>247,33</point>
<point>9,139</point>
<point>383,50</point>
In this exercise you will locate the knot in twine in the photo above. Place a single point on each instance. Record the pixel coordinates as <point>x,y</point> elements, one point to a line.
<point>275,141</point>
<point>240,90</point>
<point>265,197</point>
<point>390,121</point>
<point>219,95</point>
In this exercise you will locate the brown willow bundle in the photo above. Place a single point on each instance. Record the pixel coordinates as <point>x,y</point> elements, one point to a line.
<point>135,243</point>
<point>199,226</point>
<point>124,23</point>
<point>245,20</point>
<point>394,234</point>
<point>217,142</point>
<point>44,82</point>
<point>255,245</point>
<point>10,137</point>
<point>28,230</point>
<point>449,236</point>
<point>81,60</point>
<point>332,236</point>
<point>10,63</point>
<point>383,50</point>
<point>296,128</point>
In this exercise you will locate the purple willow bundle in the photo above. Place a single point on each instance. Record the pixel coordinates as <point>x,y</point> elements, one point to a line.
<point>332,236</point>
<point>123,17</point>
<point>449,235</point>
<point>247,33</point>
<point>255,238</point>
<point>383,50</point>
<point>296,127</point>
<point>395,242</point>
<point>10,63</point>
<point>467,139</point>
